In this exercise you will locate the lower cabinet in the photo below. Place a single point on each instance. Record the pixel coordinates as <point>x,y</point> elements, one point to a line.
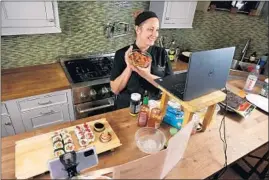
<point>26,114</point>
<point>7,128</point>
<point>44,117</point>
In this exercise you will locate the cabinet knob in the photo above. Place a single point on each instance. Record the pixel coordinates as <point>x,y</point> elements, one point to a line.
<point>8,124</point>
<point>51,20</point>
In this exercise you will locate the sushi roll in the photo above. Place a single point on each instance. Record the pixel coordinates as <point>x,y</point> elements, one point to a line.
<point>83,142</point>
<point>59,152</point>
<point>80,134</point>
<point>56,138</point>
<point>89,136</point>
<point>69,147</point>
<point>86,126</point>
<point>68,140</point>
<point>66,135</point>
<point>64,131</point>
<point>58,144</point>
<point>56,134</point>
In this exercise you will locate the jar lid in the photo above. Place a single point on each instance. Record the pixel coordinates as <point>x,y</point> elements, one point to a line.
<point>173,131</point>
<point>136,96</point>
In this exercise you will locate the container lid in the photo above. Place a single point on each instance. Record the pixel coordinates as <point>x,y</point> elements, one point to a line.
<point>173,131</point>
<point>136,96</point>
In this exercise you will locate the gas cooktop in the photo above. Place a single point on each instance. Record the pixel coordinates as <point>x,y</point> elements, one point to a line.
<point>88,69</point>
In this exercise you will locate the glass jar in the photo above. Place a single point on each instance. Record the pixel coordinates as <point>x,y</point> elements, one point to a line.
<point>155,118</point>
<point>135,103</point>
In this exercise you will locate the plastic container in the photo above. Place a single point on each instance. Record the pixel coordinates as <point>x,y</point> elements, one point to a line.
<point>252,79</point>
<point>150,140</point>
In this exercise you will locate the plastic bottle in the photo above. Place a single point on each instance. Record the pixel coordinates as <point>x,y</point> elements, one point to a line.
<point>144,112</point>
<point>252,79</point>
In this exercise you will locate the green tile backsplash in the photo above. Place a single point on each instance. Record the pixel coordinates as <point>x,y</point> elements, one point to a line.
<point>82,25</point>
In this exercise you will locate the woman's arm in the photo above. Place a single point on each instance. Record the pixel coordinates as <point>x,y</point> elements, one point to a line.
<point>118,84</point>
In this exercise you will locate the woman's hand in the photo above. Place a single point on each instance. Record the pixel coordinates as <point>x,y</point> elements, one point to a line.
<point>143,72</point>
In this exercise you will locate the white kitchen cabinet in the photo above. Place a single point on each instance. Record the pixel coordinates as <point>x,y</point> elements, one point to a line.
<point>43,117</point>
<point>7,128</point>
<point>38,111</point>
<point>174,14</point>
<point>20,17</point>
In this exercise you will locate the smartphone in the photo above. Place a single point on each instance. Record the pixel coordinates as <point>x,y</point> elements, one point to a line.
<point>85,158</point>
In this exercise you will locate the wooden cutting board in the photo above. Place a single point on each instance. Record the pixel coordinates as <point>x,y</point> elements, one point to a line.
<point>32,154</point>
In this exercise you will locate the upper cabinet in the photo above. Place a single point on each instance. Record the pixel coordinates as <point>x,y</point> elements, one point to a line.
<point>29,17</point>
<point>174,14</point>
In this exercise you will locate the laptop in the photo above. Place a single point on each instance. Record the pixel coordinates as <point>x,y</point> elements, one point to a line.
<point>207,72</point>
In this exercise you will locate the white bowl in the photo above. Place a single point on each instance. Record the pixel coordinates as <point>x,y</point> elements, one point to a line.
<point>150,140</point>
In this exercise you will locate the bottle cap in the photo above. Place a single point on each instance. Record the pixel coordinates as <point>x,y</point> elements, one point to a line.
<point>136,96</point>
<point>173,131</point>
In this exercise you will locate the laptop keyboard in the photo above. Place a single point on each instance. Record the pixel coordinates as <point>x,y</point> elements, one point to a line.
<point>179,88</point>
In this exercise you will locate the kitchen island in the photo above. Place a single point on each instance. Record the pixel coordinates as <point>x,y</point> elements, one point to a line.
<point>203,156</point>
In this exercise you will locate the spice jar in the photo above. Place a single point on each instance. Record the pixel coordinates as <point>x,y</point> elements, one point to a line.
<point>135,104</point>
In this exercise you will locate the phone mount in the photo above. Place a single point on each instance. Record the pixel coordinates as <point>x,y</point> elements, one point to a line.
<point>68,160</point>
<point>69,165</point>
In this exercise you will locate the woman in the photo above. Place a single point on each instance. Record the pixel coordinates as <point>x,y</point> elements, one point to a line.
<point>127,79</point>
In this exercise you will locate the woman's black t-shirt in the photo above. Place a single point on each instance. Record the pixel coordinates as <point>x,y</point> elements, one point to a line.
<point>161,67</point>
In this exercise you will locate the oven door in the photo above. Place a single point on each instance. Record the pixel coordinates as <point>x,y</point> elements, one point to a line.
<point>93,108</point>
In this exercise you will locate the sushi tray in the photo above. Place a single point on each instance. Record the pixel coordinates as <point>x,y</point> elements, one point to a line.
<point>32,154</point>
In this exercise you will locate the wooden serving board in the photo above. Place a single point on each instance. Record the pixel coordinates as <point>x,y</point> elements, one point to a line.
<point>32,154</point>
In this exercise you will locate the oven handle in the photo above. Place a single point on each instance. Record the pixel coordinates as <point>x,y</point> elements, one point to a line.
<point>95,108</point>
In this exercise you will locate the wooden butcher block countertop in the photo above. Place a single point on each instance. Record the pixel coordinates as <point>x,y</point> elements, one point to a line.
<point>32,80</point>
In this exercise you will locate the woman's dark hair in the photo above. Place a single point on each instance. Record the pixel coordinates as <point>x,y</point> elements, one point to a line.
<point>143,16</point>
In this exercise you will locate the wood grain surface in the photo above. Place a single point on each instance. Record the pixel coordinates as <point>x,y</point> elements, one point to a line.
<point>33,80</point>
<point>203,157</point>
<point>33,160</point>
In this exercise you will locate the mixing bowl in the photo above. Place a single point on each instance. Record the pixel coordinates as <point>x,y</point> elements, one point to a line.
<point>150,140</point>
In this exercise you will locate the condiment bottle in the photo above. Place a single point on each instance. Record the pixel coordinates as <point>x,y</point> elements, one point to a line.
<point>154,117</point>
<point>144,113</point>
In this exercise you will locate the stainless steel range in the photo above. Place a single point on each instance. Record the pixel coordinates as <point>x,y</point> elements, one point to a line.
<point>89,78</point>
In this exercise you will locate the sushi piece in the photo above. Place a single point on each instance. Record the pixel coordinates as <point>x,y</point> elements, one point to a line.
<point>56,138</point>
<point>89,136</point>
<point>64,131</point>
<point>58,145</point>
<point>67,135</point>
<point>58,152</point>
<point>83,142</point>
<point>69,147</point>
<point>68,140</point>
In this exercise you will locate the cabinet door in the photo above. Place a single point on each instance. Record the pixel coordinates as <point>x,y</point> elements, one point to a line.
<point>29,17</point>
<point>7,128</point>
<point>178,14</point>
<point>43,117</point>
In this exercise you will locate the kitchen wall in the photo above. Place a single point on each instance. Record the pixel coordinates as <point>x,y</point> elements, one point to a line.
<point>82,26</point>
